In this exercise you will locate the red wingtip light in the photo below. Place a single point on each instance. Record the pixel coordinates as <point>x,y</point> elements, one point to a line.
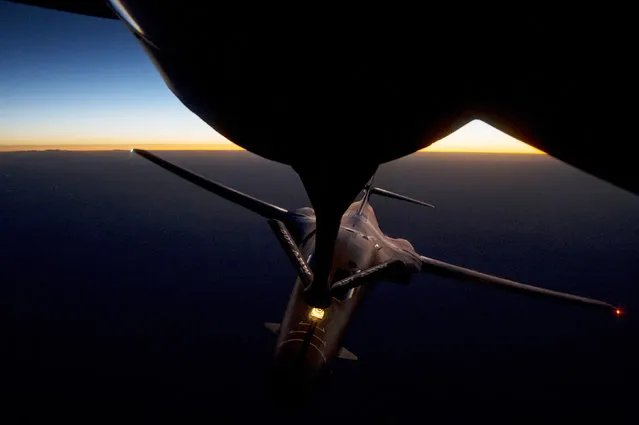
<point>618,312</point>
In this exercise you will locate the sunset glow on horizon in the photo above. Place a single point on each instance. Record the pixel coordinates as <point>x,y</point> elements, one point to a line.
<point>476,136</point>
<point>73,82</point>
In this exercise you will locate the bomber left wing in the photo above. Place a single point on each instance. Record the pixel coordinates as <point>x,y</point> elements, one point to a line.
<point>443,269</point>
<point>440,268</point>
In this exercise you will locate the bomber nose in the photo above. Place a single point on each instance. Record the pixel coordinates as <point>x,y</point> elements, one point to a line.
<point>292,381</point>
<point>298,367</point>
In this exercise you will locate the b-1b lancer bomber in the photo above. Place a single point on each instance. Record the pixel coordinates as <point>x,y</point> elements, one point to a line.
<point>309,337</point>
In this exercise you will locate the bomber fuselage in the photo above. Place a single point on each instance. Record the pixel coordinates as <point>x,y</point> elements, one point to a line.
<point>309,338</point>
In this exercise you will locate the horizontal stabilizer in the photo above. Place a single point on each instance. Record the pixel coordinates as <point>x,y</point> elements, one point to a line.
<point>377,272</point>
<point>260,207</point>
<point>292,251</point>
<point>343,353</point>
<point>440,268</point>
<point>389,194</point>
<point>273,327</point>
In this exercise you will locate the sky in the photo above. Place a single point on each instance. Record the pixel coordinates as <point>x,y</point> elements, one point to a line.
<point>77,82</point>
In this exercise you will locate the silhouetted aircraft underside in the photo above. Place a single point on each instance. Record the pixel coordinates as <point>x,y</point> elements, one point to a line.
<point>334,95</point>
<point>304,89</point>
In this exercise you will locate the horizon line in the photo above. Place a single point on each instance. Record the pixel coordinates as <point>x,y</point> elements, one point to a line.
<point>204,147</point>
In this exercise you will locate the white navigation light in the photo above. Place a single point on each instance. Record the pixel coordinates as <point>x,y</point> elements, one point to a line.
<point>316,314</point>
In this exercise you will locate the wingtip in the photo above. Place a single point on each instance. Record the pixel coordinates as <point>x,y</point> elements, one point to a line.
<point>141,152</point>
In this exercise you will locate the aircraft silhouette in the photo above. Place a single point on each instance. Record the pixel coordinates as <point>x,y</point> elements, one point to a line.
<point>334,94</point>
<point>309,338</point>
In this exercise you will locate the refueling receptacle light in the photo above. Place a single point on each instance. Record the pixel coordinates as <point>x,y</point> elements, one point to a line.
<point>316,314</point>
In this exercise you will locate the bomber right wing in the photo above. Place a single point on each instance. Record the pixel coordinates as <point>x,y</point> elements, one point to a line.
<point>279,219</point>
<point>258,206</point>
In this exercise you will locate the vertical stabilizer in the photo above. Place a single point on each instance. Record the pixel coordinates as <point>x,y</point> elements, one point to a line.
<point>367,194</point>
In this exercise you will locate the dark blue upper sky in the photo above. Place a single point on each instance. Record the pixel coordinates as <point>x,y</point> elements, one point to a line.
<point>75,79</point>
<point>67,78</point>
